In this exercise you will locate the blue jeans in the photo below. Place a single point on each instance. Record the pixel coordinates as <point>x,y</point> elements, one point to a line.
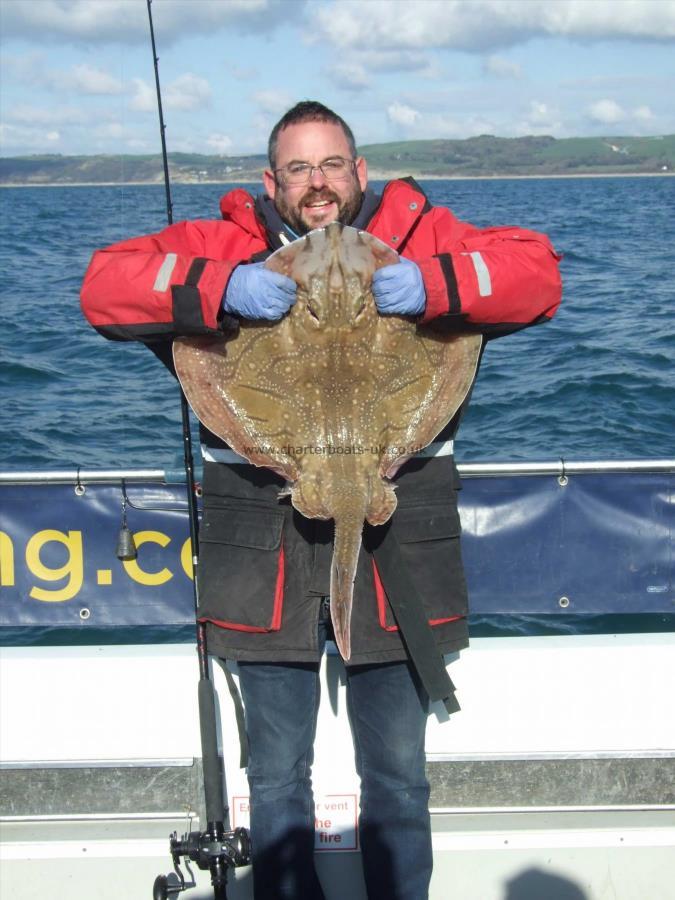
<point>388,713</point>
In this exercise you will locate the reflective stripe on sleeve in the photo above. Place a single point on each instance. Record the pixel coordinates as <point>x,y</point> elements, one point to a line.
<point>165,272</point>
<point>482,274</point>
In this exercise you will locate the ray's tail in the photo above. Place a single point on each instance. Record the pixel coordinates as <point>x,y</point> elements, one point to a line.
<point>349,521</point>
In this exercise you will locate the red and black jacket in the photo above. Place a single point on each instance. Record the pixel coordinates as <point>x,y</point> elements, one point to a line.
<point>262,565</point>
<point>494,280</point>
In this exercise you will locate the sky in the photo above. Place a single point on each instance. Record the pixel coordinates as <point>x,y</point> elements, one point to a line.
<point>76,76</point>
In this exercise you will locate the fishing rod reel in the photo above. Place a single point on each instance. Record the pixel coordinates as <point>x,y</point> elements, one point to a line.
<point>215,850</point>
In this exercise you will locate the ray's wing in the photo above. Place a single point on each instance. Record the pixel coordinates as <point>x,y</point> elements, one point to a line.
<point>230,386</point>
<point>251,389</point>
<point>383,254</point>
<point>429,385</point>
<point>427,376</point>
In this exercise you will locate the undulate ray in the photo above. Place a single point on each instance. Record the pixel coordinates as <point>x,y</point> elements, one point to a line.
<point>366,390</point>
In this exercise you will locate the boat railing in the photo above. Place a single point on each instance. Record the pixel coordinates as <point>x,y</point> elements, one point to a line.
<point>559,468</point>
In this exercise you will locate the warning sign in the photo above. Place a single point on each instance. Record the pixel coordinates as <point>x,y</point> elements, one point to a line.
<point>336,820</point>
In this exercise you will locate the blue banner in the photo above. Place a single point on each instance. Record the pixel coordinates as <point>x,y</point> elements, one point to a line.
<point>599,544</point>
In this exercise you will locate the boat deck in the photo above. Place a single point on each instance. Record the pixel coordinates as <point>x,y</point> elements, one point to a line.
<point>556,781</point>
<point>619,854</point>
<point>559,787</point>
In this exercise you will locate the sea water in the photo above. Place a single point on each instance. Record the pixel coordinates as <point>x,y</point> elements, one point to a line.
<point>597,382</point>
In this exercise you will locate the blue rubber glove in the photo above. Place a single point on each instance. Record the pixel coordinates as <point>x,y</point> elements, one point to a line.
<point>399,289</point>
<point>254,292</point>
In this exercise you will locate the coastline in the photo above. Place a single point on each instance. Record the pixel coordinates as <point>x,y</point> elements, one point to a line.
<point>373,174</point>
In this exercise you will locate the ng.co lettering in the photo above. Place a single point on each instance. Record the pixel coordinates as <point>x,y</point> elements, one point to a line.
<point>55,561</point>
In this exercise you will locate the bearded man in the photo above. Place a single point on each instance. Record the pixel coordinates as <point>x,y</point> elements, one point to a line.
<point>264,570</point>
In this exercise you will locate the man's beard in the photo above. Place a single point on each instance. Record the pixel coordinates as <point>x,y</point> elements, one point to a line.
<point>347,208</point>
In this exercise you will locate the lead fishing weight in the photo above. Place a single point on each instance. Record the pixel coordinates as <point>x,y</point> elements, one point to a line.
<point>126,545</point>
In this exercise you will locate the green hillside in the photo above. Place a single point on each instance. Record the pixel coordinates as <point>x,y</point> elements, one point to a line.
<point>542,155</point>
<point>127,169</point>
<point>486,156</point>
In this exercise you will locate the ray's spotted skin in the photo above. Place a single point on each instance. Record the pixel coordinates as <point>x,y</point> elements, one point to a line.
<point>334,397</point>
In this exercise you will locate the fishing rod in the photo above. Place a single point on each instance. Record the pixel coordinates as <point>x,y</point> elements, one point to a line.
<point>213,849</point>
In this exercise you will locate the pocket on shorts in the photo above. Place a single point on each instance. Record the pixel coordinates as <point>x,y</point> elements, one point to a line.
<point>429,541</point>
<point>241,567</point>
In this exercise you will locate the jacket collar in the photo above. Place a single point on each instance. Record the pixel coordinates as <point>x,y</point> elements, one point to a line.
<point>403,204</point>
<point>390,217</point>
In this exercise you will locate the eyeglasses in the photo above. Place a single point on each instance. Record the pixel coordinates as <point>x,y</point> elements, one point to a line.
<point>334,169</point>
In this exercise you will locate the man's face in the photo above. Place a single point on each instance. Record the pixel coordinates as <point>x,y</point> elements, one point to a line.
<point>319,201</point>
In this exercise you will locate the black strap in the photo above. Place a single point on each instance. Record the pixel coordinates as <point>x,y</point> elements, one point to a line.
<point>197,266</point>
<point>238,711</point>
<point>448,270</point>
<point>187,301</point>
<point>411,619</point>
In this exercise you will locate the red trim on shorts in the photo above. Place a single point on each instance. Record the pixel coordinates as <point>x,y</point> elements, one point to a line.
<point>381,597</point>
<point>277,607</point>
<point>278,592</point>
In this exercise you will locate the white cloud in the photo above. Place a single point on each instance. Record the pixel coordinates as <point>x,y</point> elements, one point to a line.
<point>77,19</point>
<point>188,92</point>
<point>84,79</point>
<point>273,102</point>
<point>112,21</point>
<point>353,72</point>
<point>114,130</point>
<point>31,68</point>
<point>21,139</point>
<point>394,60</point>
<point>444,126</point>
<point>350,76</point>
<point>540,112</point>
<point>478,25</point>
<point>540,118</point>
<point>607,112</point>
<point>400,114</point>
<point>144,98</point>
<point>46,116</point>
<point>633,120</point>
<point>26,67</point>
<point>502,68</point>
<point>219,143</point>
<point>138,145</point>
<point>426,124</point>
<point>643,114</point>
